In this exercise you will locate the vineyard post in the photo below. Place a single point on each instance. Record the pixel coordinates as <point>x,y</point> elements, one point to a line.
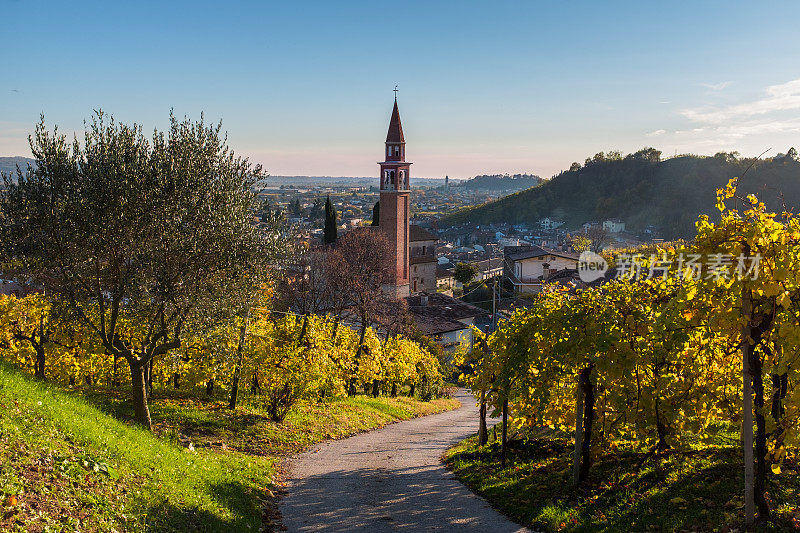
<point>747,406</point>
<point>576,456</point>
<point>482,435</point>
<point>505,431</point>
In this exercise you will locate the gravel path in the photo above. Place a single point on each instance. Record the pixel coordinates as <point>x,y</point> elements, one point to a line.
<point>390,479</point>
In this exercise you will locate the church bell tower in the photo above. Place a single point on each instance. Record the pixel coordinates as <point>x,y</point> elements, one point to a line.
<point>394,203</point>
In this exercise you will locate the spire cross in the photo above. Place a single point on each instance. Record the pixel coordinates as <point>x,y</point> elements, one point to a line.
<point>395,93</point>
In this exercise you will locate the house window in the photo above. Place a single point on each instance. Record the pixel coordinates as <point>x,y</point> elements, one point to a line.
<point>388,151</point>
<point>397,150</point>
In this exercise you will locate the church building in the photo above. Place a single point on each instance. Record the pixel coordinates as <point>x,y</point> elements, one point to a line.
<point>414,248</point>
<point>394,204</point>
<point>413,276</point>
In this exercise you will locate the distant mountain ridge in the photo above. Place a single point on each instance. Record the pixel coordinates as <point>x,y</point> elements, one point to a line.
<point>642,190</point>
<point>9,164</point>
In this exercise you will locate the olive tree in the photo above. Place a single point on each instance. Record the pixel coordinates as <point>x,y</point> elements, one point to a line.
<point>142,239</point>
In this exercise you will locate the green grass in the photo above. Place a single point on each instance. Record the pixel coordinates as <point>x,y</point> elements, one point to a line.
<point>47,434</point>
<point>71,460</point>
<point>699,490</point>
<point>208,423</point>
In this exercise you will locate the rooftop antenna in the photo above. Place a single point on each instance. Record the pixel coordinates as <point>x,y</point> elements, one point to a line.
<point>395,93</point>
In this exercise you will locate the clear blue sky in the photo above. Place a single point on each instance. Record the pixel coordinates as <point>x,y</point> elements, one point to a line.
<point>306,87</point>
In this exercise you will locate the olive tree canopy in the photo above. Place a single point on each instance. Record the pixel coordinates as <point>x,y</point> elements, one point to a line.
<point>142,239</point>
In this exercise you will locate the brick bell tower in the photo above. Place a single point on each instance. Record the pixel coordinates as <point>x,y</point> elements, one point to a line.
<point>394,200</point>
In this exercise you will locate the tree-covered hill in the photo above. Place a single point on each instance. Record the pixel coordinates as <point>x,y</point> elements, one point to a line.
<point>641,189</point>
<point>502,182</point>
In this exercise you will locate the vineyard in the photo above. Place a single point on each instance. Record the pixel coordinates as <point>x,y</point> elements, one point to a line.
<point>281,358</point>
<point>690,348</point>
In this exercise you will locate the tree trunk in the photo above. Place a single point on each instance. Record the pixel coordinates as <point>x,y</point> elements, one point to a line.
<point>115,376</point>
<point>394,390</point>
<point>148,377</point>
<point>176,380</point>
<point>412,390</point>
<point>747,408</point>
<point>255,386</point>
<point>483,436</point>
<point>303,329</point>
<point>335,331</point>
<point>210,387</point>
<point>505,434</point>
<point>237,371</point>
<point>376,388</point>
<point>139,393</point>
<point>352,391</point>
<point>39,347</point>
<point>780,385</point>
<point>661,428</point>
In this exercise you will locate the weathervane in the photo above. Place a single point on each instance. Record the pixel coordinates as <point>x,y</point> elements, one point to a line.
<point>395,93</point>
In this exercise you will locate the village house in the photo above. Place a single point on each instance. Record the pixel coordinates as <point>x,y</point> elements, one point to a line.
<point>527,267</point>
<point>10,287</point>
<point>422,259</point>
<point>614,225</point>
<point>548,223</point>
<point>444,319</point>
<point>489,268</point>
<point>444,279</point>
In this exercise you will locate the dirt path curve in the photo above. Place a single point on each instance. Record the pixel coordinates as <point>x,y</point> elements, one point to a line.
<point>390,479</point>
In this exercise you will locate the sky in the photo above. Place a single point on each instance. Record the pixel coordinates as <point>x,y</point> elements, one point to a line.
<point>305,88</point>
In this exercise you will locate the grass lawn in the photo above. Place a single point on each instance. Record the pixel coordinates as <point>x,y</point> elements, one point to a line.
<point>699,490</point>
<point>69,461</point>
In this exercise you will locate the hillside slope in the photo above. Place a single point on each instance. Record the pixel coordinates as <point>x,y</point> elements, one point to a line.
<point>66,465</point>
<point>641,191</point>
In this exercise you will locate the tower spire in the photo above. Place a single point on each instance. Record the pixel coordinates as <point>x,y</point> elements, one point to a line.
<point>395,133</point>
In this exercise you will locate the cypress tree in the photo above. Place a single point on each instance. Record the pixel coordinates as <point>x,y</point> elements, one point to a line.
<point>329,232</point>
<point>297,210</point>
<point>376,214</point>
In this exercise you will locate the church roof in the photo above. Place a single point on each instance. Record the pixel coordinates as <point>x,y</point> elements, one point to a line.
<point>421,234</point>
<point>443,307</point>
<point>395,133</point>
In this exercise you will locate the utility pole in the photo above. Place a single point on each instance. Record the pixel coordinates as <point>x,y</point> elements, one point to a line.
<point>494,304</point>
